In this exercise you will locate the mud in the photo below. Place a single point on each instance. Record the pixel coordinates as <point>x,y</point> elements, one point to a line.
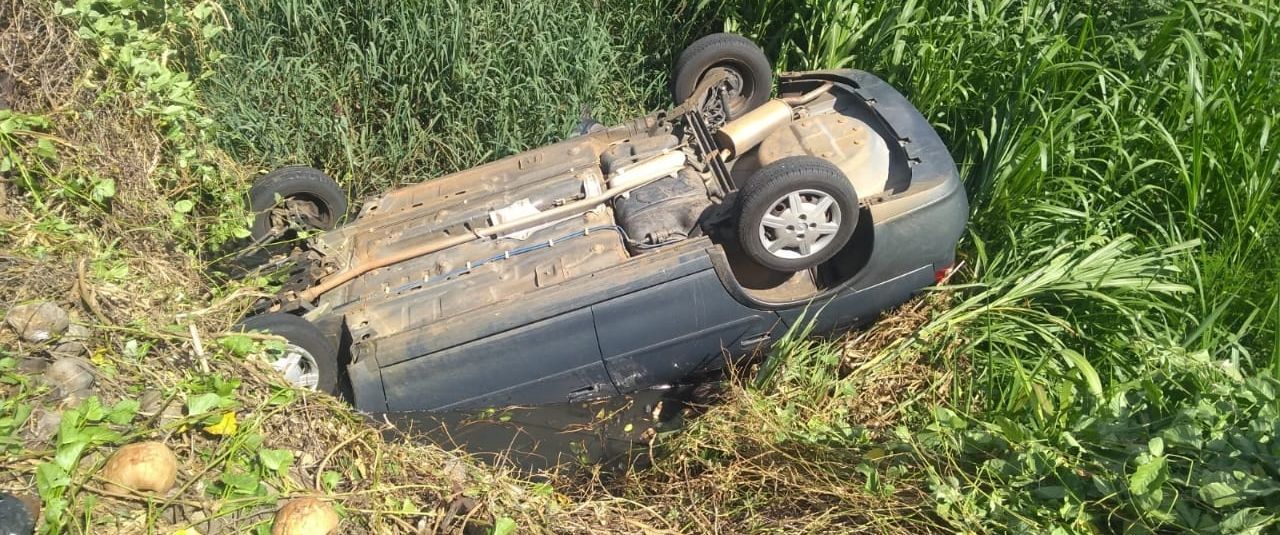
<point>616,434</point>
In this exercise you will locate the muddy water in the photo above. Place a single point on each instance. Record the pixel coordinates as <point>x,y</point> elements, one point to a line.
<point>615,434</point>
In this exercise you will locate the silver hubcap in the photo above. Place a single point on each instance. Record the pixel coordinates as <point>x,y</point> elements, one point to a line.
<point>298,367</point>
<point>800,224</point>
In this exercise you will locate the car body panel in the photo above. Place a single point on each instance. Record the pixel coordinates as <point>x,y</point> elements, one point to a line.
<point>574,314</point>
<point>685,326</point>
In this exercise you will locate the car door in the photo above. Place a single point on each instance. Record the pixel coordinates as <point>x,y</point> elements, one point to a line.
<point>554,360</point>
<point>663,333</point>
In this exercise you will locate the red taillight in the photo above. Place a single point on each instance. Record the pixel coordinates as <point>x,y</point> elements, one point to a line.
<point>942,274</point>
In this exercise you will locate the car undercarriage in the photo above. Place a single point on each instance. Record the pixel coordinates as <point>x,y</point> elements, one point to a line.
<point>629,256</point>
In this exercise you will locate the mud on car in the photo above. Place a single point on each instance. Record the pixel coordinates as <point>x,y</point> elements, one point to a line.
<point>623,258</point>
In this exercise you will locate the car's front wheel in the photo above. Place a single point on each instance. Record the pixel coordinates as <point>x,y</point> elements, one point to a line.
<point>307,359</point>
<point>747,77</point>
<point>796,213</point>
<point>294,197</point>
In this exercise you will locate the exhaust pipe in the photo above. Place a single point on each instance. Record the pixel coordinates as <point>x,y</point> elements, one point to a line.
<point>744,133</point>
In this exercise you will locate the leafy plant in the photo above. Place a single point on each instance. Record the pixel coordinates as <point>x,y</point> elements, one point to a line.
<point>84,427</point>
<point>158,51</point>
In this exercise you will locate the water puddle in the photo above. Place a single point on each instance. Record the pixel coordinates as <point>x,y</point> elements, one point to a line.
<point>615,434</point>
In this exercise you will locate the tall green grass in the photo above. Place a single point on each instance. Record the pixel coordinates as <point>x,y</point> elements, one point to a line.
<point>1106,361</point>
<point>387,92</point>
<point>1149,118</point>
<point>1114,338</point>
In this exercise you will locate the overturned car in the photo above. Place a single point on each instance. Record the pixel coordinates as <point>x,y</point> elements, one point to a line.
<point>624,258</point>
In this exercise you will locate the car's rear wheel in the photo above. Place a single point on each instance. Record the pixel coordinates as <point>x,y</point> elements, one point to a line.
<point>307,360</point>
<point>292,198</point>
<point>748,78</point>
<point>796,213</point>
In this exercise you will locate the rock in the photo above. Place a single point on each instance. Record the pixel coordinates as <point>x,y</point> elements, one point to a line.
<point>15,517</point>
<point>172,413</point>
<point>74,342</point>
<point>43,425</point>
<point>305,516</point>
<point>76,331</point>
<point>38,322</point>
<point>151,402</point>
<point>73,348</point>
<point>75,398</point>
<point>141,466</point>
<point>69,375</point>
<point>32,365</point>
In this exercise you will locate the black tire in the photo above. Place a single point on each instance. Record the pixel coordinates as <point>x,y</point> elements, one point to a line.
<point>301,183</point>
<point>769,190</point>
<point>305,335</point>
<point>730,51</point>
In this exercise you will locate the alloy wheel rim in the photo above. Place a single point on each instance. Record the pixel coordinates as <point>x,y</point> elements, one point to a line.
<point>298,366</point>
<point>800,224</point>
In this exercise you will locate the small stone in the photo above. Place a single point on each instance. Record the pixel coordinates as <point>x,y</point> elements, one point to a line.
<point>305,516</point>
<point>71,348</point>
<point>76,331</point>
<point>75,398</point>
<point>150,403</point>
<point>32,365</point>
<point>141,466</point>
<point>44,424</point>
<point>38,322</point>
<point>15,516</point>
<point>73,342</point>
<point>69,375</point>
<point>217,525</point>
<point>172,413</point>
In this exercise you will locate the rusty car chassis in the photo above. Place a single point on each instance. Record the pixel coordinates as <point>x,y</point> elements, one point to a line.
<point>613,261</point>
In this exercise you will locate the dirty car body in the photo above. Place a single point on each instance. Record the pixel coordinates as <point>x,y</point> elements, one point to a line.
<point>641,291</point>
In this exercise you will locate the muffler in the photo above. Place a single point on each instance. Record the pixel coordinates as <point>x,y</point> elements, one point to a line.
<point>744,133</point>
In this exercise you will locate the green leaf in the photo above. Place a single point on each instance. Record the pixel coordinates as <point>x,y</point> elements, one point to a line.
<point>240,481</point>
<point>203,404</point>
<point>504,526</point>
<point>1147,477</point>
<point>330,479</point>
<point>1086,370</point>
<point>45,148</point>
<point>253,441</point>
<point>68,455</point>
<point>183,206</point>
<point>50,476</point>
<point>1219,494</point>
<point>275,460</point>
<point>282,396</point>
<point>238,344</point>
<point>123,412</point>
<point>103,189</point>
<point>1248,520</point>
<point>93,410</point>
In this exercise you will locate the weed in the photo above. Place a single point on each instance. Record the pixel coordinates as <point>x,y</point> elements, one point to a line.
<point>1106,362</point>
<point>386,92</point>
